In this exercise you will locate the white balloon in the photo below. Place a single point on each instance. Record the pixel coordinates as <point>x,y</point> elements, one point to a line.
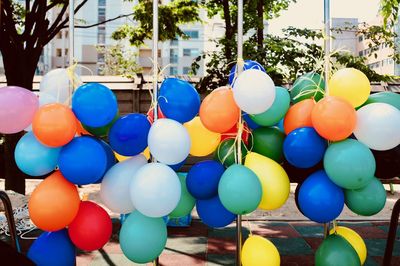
<point>155,190</point>
<point>378,126</point>
<point>169,141</point>
<point>114,190</point>
<point>254,91</point>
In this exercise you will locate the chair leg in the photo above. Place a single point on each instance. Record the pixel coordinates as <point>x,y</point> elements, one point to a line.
<point>10,220</point>
<point>394,221</point>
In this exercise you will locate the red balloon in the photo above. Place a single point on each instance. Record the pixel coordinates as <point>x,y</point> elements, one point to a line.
<point>91,229</point>
<point>150,114</point>
<point>232,133</point>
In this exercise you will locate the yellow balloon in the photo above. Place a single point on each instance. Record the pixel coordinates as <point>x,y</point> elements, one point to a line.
<point>274,180</point>
<point>354,239</point>
<point>258,251</point>
<point>350,84</point>
<point>204,141</point>
<point>120,157</point>
<point>146,153</point>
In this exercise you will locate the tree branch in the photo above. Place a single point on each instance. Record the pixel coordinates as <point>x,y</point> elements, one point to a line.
<point>9,21</point>
<point>102,22</point>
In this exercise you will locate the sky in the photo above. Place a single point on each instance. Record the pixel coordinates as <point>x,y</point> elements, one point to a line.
<point>310,13</point>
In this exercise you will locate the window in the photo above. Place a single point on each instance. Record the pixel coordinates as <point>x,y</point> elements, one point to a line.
<point>66,34</point>
<point>190,52</point>
<point>66,51</point>
<point>360,53</point>
<point>102,14</point>
<point>58,52</point>
<point>101,38</point>
<point>192,34</point>
<point>59,35</point>
<point>173,70</point>
<point>360,38</point>
<point>102,2</point>
<point>174,42</point>
<point>101,57</point>
<point>185,70</point>
<point>173,56</point>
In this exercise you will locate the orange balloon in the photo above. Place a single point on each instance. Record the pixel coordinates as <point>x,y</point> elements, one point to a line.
<point>80,130</point>
<point>218,111</point>
<point>54,204</point>
<point>298,115</point>
<point>334,118</point>
<point>54,125</point>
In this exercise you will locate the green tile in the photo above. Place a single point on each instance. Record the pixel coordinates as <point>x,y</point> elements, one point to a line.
<point>376,247</point>
<point>186,245</point>
<point>228,232</point>
<point>386,229</point>
<point>214,259</point>
<point>310,231</point>
<point>292,246</point>
<point>355,224</point>
<point>370,262</point>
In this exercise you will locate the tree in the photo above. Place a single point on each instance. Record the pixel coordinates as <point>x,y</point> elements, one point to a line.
<point>390,11</point>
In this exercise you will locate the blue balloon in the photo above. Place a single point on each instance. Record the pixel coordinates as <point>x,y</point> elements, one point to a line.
<point>320,200</point>
<point>178,166</point>
<point>83,161</point>
<point>213,213</point>
<point>203,178</point>
<point>248,64</point>
<point>94,105</point>
<point>111,160</point>
<point>179,100</point>
<point>304,148</point>
<point>33,158</point>
<point>280,125</point>
<point>53,248</point>
<point>128,135</point>
<point>250,123</point>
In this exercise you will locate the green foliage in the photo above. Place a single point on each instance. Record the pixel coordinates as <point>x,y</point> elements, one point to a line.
<point>389,11</point>
<point>171,16</point>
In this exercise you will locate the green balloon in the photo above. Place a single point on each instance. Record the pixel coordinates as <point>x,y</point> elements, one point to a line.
<point>268,141</point>
<point>308,86</point>
<point>142,238</point>
<point>226,152</point>
<point>186,203</point>
<point>349,164</point>
<point>388,97</point>
<point>101,131</point>
<point>239,189</point>
<point>336,251</point>
<point>276,112</point>
<point>368,200</point>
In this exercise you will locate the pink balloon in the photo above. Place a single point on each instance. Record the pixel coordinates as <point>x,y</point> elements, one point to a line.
<point>17,108</point>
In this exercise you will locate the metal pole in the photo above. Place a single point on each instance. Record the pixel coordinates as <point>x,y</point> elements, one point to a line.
<point>71,33</point>
<point>327,43</point>
<point>155,58</point>
<point>239,68</point>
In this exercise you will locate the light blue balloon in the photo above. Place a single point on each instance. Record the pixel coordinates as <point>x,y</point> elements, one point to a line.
<point>33,158</point>
<point>142,238</point>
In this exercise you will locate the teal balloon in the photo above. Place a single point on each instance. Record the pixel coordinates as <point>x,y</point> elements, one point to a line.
<point>310,85</point>
<point>268,141</point>
<point>142,238</point>
<point>336,251</point>
<point>388,97</point>
<point>349,164</point>
<point>186,203</point>
<point>240,190</point>
<point>277,111</point>
<point>368,200</point>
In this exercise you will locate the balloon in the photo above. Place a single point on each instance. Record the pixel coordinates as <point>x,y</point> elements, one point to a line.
<point>186,203</point>
<point>94,104</point>
<point>33,158</point>
<point>277,111</point>
<point>250,123</point>
<point>248,64</point>
<point>335,250</point>
<point>280,126</point>
<point>368,200</point>
<point>378,126</point>
<point>150,115</point>
<point>178,166</point>
<point>213,213</point>
<point>115,187</point>
<point>53,248</point>
<point>388,97</point>
<point>155,190</point>
<point>351,85</point>
<point>309,86</point>
<point>57,83</point>
<point>320,199</point>
<point>254,91</point>
<point>296,197</point>
<point>304,148</point>
<point>44,99</point>
<point>299,115</point>
<point>54,203</point>
<point>349,164</point>
<point>268,141</point>
<point>204,142</point>
<point>101,131</point>
<point>274,180</point>
<point>232,133</point>
<point>142,238</point>
<point>91,229</point>
<point>83,161</point>
<point>17,108</point>
<point>169,141</point>
<point>203,178</point>
<point>111,160</point>
<point>354,239</point>
<point>387,163</point>
<point>239,190</point>
<point>54,125</point>
<point>128,135</point>
<point>258,251</point>
<point>227,150</point>
<point>80,130</point>
<point>178,100</point>
<point>334,118</point>
<point>218,111</point>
